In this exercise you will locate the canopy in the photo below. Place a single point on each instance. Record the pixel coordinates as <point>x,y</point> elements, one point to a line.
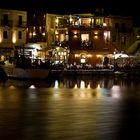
<point>120,55</point>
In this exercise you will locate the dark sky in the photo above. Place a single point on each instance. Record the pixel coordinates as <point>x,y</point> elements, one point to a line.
<point>119,7</point>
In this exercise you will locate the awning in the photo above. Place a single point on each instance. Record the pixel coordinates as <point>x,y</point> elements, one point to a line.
<point>120,55</point>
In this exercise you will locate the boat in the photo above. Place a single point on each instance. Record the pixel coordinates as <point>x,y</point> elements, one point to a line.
<point>23,68</point>
<point>121,73</point>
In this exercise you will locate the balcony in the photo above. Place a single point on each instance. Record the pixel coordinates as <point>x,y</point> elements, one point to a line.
<point>8,23</point>
<point>60,43</point>
<point>22,24</point>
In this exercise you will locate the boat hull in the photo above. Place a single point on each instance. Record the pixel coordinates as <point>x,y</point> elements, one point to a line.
<point>20,73</point>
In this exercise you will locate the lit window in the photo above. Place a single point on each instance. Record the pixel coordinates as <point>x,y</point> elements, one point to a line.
<point>84,37</point>
<point>83,60</point>
<point>107,36</point>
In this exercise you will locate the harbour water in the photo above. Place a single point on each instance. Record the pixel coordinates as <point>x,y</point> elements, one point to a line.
<point>70,108</point>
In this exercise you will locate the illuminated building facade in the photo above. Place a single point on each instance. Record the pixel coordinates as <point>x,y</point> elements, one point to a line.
<point>90,38</point>
<point>81,38</point>
<point>13,24</point>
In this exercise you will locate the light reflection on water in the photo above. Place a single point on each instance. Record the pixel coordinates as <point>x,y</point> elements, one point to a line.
<point>77,108</point>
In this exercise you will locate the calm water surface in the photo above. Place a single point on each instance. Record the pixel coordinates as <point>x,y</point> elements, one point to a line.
<point>72,108</point>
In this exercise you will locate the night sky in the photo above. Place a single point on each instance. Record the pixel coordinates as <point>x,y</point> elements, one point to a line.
<point>118,7</point>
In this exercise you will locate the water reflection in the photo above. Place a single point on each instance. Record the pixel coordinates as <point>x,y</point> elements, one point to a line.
<point>83,82</point>
<point>66,82</point>
<point>96,86</point>
<point>71,108</point>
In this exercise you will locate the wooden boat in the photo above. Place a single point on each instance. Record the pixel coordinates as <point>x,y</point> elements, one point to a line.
<point>22,68</point>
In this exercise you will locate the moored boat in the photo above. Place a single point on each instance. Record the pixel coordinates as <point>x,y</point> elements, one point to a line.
<point>22,68</point>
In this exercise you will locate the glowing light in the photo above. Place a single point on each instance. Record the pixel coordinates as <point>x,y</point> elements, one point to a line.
<point>56,32</point>
<point>105,34</point>
<point>98,87</point>
<point>1,36</point>
<point>83,60</point>
<point>89,55</point>
<point>56,84</point>
<point>30,35</point>
<point>95,32</point>
<point>70,18</point>
<point>116,92</point>
<point>75,36</point>
<point>43,33</point>
<point>32,87</point>
<point>96,37</point>
<point>82,84</point>
<point>34,33</point>
<point>75,32</point>
<point>88,86</point>
<point>99,56</point>
<point>34,52</point>
<point>76,55</point>
<point>65,53</point>
<point>75,86</point>
<point>89,19</point>
<point>14,37</point>
<point>57,20</point>
<point>104,24</point>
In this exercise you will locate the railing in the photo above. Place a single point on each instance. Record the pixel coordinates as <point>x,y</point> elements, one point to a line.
<point>22,24</point>
<point>8,23</point>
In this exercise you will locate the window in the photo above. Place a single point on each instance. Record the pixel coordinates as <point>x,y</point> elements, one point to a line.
<point>123,26</point>
<point>19,35</point>
<point>116,25</point>
<point>85,40</point>
<point>86,21</point>
<point>107,36</point>
<point>5,34</point>
<point>123,39</point>
<point>20,20</point>
<point>85,37</point>
<point>5,19</point>
<point>99,21</point>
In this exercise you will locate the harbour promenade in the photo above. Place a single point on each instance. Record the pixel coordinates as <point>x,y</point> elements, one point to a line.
<point>88,72</point>
<point>92,72</point>
<point>82,72</point>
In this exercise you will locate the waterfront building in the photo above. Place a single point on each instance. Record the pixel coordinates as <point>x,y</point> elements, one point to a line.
<point>80,38</point>
<point>91,38</point>
<point>45,38</point>
<point>13,24</point>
